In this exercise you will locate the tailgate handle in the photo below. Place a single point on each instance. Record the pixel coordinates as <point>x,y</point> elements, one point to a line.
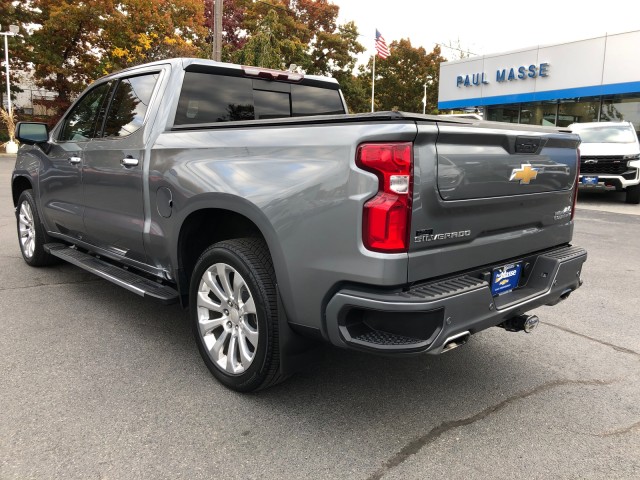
<point>527,144</point>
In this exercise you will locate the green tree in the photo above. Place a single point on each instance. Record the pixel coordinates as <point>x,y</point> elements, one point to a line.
<point>269,44</point>
<point>400,78</point>
<point>304,32</point>
<point>356,90</point>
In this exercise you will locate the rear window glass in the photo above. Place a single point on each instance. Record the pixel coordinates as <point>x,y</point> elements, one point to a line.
<point>214,98</point>
<point>271,104</point>
<point>211,98</point>
<point>606,134</point>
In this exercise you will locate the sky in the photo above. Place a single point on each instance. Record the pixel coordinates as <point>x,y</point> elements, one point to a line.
<point>488,26</point>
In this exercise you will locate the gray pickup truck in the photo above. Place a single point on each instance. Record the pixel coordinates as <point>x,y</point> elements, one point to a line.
<point>251,197</point>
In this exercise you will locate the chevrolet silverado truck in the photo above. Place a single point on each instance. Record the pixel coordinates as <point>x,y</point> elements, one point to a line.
<point>281,221</point>
<point>609,157</point>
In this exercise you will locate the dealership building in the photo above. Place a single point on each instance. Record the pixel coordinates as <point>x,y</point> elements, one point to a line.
<point>591,80</point>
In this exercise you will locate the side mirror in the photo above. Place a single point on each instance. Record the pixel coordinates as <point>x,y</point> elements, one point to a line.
<point>32,132</point>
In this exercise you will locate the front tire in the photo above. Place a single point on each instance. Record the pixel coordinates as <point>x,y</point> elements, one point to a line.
<point>234,317</point>
<point>31,233</point>
<point>633,194</point>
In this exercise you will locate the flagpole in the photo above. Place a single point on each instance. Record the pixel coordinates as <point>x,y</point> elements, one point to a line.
<point>373,81</point>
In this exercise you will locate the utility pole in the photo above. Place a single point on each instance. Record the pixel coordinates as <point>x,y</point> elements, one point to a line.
<point>217,30</point>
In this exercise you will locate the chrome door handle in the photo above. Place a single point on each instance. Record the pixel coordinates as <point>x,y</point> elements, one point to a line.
<point>129,162</point>
<point>74,160</point>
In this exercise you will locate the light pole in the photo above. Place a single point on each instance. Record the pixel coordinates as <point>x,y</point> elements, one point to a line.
<point>424,100</point>
<point>13,30</point>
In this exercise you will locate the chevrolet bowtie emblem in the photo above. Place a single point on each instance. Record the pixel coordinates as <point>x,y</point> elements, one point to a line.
<point>525,174</point>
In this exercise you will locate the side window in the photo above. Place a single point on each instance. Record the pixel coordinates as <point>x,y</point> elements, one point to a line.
<point>80,124</point>
<point>129,105</point>
<point>207,98</point>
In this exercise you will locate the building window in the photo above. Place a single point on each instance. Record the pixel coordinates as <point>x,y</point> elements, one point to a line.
<point>578,111</point>
<point>503,113</point>
<point>618,108</point>
<point>542,113</point>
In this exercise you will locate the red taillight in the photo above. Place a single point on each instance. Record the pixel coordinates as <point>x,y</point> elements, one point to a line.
<point>575,192</point>
<point>387,216</point>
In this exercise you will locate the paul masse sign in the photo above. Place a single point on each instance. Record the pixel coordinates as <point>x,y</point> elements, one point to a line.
<point>584,68</point>
<point>503,75</point>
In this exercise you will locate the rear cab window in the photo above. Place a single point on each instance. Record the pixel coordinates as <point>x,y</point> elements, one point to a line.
<point>218,97</point>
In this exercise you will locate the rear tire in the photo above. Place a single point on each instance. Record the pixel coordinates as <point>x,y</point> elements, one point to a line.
<point>31,233</point>
<point>633,194</point>
<point>234,315</point>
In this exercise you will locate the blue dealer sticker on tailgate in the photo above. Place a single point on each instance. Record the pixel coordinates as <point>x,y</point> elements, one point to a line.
<point>505,279</point>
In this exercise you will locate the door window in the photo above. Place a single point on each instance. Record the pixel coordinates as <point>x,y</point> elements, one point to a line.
<point>129,105</point>
<point>80,124</point>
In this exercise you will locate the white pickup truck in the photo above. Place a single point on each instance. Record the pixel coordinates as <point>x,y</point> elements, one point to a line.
<point>610,157</point>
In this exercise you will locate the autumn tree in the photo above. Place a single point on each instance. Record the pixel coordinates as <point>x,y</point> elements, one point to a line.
<point>233,35</point>
<point>140,31</point>
<point>67,44</point>
<point>57,41</point>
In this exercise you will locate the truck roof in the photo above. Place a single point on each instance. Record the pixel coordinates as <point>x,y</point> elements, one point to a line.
<point>185,62</point>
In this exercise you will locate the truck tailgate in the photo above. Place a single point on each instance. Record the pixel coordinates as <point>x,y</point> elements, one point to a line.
<point>485,193</point>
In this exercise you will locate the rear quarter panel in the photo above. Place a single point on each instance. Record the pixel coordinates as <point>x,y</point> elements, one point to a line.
<point>298,184</point>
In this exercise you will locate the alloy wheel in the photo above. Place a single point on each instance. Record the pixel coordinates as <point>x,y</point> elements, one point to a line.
<point>227,319</point>
<point>27,229</point>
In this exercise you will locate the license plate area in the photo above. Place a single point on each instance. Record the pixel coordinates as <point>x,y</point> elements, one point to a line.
<point>505,278</point>
<point>589,180</point>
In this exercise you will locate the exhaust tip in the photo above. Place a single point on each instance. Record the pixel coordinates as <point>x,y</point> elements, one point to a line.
<point>455,341</point>
<point>526,323</point>
<point>530,323</point>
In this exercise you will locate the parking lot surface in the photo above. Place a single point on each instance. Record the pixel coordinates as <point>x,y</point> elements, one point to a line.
<point>99,383</point>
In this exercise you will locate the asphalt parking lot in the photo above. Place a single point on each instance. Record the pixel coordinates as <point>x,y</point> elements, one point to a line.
<point>99,383</point>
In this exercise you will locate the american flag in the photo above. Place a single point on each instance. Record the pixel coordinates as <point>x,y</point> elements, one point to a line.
<point>381,46</point>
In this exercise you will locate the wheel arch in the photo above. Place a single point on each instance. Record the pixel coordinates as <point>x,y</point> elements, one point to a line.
<point>19,184</point>
<point>217,217</point>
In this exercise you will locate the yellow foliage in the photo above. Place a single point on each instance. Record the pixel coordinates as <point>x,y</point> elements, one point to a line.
<point>120,52</point>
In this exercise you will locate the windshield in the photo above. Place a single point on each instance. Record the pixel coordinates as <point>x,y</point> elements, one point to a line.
<point>617,134</point>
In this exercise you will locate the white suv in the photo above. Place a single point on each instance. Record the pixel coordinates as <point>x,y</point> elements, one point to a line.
<point>610,157</point>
